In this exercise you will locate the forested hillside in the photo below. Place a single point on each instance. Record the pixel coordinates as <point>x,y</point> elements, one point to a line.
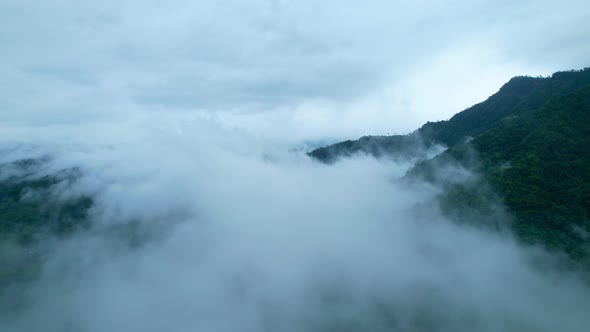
<point>531,144</point>
<point>540,166</point>
<point>29,208</point>
<point>519,96</point>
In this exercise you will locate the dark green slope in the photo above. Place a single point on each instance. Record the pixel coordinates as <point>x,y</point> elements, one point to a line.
<point>546,178</point>
<point>531,144</point>
<point>30,208</point>
<point>519,96</point>
<point>485,115</point>
<point>539,163</point>
<point>397,146</point>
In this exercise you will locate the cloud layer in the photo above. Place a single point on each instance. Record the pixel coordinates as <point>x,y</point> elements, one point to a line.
<point>179,118</point>
<point>248,237</point>
<point>306,70</point>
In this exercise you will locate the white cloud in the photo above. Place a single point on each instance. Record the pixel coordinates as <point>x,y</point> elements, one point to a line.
<point>363,67</point>
<point>238,234</point>
<point>179,116</point>
<point>244,236</point>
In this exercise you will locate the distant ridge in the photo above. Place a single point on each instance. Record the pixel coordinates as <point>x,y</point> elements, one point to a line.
<point>520,95</point>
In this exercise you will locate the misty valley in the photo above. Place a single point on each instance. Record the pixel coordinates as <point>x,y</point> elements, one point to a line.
<point>175,223</point>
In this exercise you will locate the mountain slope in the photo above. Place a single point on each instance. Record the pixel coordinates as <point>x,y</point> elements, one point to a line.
<point>519,96</point>
<point>546,184</point>
<point>30,208</point>
<point>531,144</point>
<point>396,146</point>
<point>540,165</point>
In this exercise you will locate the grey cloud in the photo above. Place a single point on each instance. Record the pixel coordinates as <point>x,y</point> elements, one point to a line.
<point>238,234</point>
<point>70,75</point>
<point>268,55</point>
<point>235,240</point>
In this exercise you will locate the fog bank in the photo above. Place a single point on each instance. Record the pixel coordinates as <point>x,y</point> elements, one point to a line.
<point>233,233</point>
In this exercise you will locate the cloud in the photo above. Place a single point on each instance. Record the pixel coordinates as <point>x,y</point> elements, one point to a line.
<point>367,65</point>
<point>178,117</point>
<point>234,233</point>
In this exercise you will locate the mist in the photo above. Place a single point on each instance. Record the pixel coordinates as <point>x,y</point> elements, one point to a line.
<point>197,227</point>
<point>184,126</point>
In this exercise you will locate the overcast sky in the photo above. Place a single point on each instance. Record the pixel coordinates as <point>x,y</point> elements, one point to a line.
<point>285,70</point>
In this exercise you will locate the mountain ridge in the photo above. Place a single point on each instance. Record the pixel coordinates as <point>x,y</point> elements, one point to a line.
<point>530,144</point>
<point>518,96</point>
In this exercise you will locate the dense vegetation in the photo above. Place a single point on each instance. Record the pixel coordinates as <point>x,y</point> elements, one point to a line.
<point>531,144</point>
<point>30,207</point>
<point>397,147</point>
<point>520,96</point>
<point>541,165</point>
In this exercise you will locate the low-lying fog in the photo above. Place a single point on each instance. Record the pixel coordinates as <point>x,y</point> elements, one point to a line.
<point>232,233</point>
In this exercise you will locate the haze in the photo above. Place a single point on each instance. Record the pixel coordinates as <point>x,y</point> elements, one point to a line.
<point>188,124</point>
